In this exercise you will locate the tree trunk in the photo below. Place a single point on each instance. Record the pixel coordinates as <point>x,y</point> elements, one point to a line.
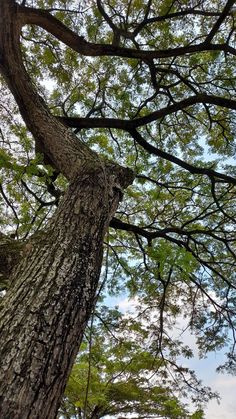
<point>51,298</point>
<point>53,289</point>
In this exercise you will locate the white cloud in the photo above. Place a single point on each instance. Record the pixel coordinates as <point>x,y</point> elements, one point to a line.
<point>226,386</point>
<point>128,305</point>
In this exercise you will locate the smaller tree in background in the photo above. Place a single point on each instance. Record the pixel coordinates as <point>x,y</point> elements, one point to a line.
<point>116,375</point>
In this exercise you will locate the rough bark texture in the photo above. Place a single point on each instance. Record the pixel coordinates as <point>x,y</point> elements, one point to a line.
<point>47,308</point>
<point>53,290</point>
<point>11,252</point>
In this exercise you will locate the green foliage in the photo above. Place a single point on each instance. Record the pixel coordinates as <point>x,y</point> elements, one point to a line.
<point>114,375</point>
<point>175,248</point>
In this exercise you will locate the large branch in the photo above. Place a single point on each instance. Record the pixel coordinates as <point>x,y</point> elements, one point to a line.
<point>145,232</point>
<point>127,124</point>
<point>131,125</point>
<point>212,174</point>
<point>220,20</point>
<point>163,233</point>
<point>182,104</point>
<point>54,26</point>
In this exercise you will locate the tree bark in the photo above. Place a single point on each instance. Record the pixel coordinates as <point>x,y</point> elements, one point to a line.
<point>53,292</point>
<point>53,288</point>
<point>10,255</point>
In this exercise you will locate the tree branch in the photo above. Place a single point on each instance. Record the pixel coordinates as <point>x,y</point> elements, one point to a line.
<point>54,26</point>
<point>176,15</point>
<point>128,125</point>
<point>219,21</point>
<point>187,166</point>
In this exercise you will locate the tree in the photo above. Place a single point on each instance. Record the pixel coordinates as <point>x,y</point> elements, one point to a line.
<point>102,87</point>
<point>116,375</point>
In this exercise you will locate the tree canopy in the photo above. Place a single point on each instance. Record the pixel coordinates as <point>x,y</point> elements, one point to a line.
<point>117,373</point>
<point>147,85</point>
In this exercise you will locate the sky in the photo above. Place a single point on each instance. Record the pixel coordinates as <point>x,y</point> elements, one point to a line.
<point>224,384</point>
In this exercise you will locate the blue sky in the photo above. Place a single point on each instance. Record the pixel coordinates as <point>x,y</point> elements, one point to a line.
<point>224,384</point>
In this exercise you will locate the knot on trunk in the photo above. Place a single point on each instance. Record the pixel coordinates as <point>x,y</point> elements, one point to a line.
<point>10,255</point>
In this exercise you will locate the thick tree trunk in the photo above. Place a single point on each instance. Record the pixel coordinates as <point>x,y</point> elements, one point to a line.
<point>47,308</point>
<point>53,290</point>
